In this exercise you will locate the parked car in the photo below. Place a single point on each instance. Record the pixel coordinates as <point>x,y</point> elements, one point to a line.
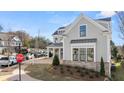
<point>4,61</point>
<point>12,60</point>
<point>29,56</point>
<point>113,67</point>
<point>45,54</point>
<point>38,54</point>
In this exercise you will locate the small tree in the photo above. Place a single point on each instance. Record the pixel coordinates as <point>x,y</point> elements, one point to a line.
<point>55,61</point>
<point>50,54</point>
<point>118,58</point>
<point>102,69</point>
<point>114,52</point>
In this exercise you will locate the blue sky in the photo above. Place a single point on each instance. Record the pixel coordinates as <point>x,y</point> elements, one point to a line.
<point>48,22</point>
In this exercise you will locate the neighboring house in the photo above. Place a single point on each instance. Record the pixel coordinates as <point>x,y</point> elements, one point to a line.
<point>84,42</point>
<point>8,41</point>
<point>15,41</point>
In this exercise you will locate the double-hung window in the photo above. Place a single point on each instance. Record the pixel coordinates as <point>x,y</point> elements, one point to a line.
<point>82,30</point>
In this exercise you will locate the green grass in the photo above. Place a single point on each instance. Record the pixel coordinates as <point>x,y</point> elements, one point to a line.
<point>118,75</point>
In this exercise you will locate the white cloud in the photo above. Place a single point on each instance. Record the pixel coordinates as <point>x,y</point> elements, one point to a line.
<point>106,14</point>
<point>61,20</point>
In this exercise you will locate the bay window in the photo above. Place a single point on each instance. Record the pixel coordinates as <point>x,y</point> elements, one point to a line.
<point>83,54</point>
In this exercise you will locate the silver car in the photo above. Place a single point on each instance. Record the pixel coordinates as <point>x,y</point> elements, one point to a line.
<point>4,61</point>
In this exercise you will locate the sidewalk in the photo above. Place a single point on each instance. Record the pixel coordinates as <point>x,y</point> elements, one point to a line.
<point>24,76</point>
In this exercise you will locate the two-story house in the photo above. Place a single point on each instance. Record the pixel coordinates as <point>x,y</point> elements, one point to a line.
<point>84,42</point>
<point>8,41</point>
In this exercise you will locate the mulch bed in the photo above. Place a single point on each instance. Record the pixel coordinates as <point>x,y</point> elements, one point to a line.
<point>76,72</point>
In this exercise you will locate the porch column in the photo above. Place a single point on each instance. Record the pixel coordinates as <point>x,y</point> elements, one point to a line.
<point>59,53</point>
<point>53,52</point>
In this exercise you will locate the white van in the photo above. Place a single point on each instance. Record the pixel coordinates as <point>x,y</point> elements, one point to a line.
<point>12,60</point>
<point>4,60</point>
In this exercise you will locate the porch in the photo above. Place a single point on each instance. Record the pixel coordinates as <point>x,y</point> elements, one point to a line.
<point>55,49</point>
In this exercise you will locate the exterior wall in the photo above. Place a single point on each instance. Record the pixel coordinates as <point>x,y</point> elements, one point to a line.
<point>90,65</point>
<point>91,32</point>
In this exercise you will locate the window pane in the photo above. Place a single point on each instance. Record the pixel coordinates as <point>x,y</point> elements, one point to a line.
<point>83,30</point>
<point>75,54</point>
<point>90,54</point>
<point>82,54</point>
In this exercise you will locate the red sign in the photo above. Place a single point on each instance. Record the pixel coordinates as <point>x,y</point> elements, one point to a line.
<point>19,58</point>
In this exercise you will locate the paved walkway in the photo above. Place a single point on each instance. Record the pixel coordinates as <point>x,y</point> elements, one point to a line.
<point>24,77</point>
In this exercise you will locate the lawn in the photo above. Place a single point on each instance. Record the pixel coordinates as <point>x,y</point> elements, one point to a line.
<point>48,72</point>
<point>118,75</point>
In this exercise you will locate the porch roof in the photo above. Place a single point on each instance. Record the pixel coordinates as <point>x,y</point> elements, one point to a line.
<point>84,40</point>
<point>56,45</point>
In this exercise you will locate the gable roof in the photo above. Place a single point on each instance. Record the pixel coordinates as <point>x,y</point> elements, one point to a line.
<point>56,45</point>
<point>88,19</point>
<point>60,28</point>
<point>105,19</point>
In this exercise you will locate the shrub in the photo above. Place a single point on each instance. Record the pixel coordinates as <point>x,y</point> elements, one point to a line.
<point>71,73</point>
<point>83,68</point>
<point>61,68</point>
<point>82,74</point>
<point>68,69</point>
<point>91,76</point>
<point>91,70</point>
<point>62,72</point>
<point>78,70</point>
<point>76,67</point>
<point>97,74</point>
<point>55,61</point>
<point>102,69</point>
<point>68,66</point>
<point>50,54</point>
<point>87,72</point>
<point>122,64</point>
<point>118,58</point>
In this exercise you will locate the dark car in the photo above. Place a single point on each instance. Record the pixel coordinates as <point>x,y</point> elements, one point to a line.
<point>113,67</point>
<point>38,54</point>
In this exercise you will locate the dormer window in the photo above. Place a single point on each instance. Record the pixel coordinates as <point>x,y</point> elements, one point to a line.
<point>82,30</point>
<point>56,39</point>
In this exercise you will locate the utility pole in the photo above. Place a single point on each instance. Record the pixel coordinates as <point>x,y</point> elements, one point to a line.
<point>19,64</point>
<point>38,39</point>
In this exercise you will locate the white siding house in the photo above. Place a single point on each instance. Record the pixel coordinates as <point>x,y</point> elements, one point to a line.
<point>84,42</point>
<point>9,41</point>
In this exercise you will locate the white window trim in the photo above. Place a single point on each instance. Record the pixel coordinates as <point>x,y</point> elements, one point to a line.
<point>84,45</point>
<point>86,30</point>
